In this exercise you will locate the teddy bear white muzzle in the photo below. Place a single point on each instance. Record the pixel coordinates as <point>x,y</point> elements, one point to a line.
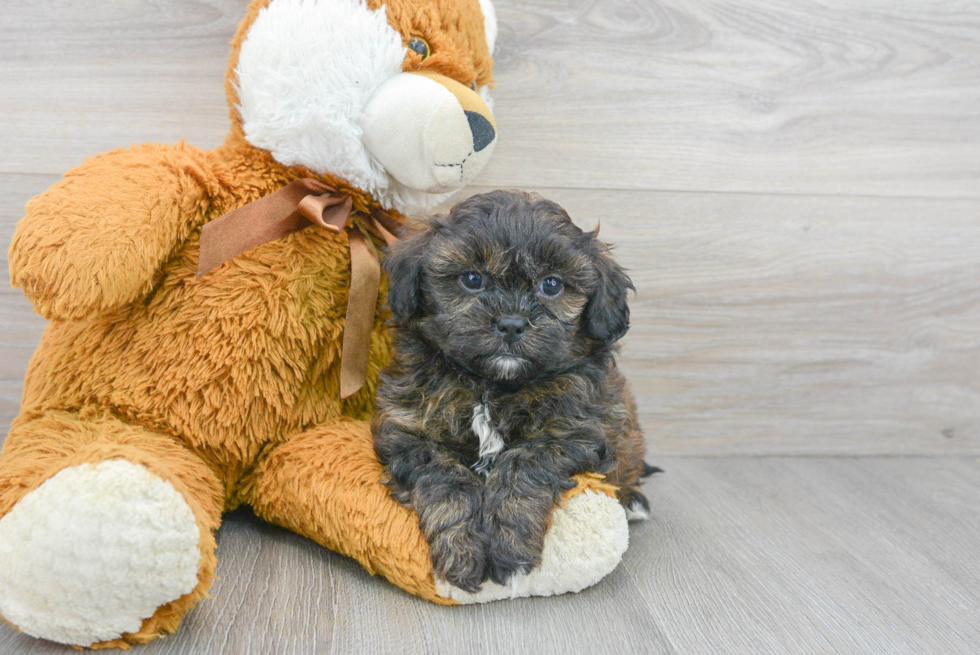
<point>429,132</point>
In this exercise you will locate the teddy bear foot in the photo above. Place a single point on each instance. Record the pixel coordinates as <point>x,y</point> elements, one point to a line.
<point>95,550</point>
<point>586,541</point>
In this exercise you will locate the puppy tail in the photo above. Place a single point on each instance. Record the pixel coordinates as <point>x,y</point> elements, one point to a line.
<point>650,470</point>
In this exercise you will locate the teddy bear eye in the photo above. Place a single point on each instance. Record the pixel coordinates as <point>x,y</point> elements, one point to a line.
<point>420,47</point>
<point>471,281</point>
<point>551,286</point>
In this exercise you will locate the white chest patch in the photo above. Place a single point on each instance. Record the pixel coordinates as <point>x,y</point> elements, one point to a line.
<point>491,443</point>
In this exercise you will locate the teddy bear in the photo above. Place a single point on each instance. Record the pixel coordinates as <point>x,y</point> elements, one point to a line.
<point>217,328</point>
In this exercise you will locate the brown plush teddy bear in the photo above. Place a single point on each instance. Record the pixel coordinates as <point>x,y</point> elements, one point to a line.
<point>216,328</point>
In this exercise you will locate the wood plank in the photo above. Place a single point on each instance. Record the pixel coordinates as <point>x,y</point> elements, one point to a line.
<point>743,555</point>
<point>82,77</point>
<point>762,324</point>
<point>813,555</point>
<point>836,97</point>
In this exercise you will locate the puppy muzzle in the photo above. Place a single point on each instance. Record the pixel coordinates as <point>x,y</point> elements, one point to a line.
<point>429,132</point>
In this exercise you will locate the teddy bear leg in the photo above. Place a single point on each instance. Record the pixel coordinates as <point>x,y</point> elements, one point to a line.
<point>106,530</point>
<point>326,484</point>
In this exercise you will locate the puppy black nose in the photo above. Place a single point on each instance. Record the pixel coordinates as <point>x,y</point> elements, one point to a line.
<point>511,327</point>
<point>483,132</point>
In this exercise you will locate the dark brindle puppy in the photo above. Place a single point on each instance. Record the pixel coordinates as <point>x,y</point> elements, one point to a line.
<point>504,384</point>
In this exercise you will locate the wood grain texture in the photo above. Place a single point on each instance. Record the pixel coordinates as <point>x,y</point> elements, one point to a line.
<point>743,556</point>
<point>830,97</point>
<point>835,97</point>
<point>80,77</point>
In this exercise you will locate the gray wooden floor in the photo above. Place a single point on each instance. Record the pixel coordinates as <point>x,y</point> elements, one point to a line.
<point>795,187</point>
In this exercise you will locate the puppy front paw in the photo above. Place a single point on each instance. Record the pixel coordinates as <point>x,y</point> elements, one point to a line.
<point>459,556</point>
<point>513,552</point>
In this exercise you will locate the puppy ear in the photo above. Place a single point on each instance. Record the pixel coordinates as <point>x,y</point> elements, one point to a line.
<point>403,263</point>
<point>607,314</point>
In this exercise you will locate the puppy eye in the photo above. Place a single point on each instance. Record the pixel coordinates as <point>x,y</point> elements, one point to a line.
<point>420,47</point>
<point>471,281</point>
<point>551,286</point>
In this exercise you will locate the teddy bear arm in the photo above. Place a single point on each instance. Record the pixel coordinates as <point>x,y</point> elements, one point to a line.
<point>98,238</point>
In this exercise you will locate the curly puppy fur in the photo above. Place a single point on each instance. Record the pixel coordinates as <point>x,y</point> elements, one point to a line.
<point>504,384</point>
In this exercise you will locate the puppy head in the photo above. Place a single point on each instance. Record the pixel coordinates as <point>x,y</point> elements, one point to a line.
<point>507,286</point>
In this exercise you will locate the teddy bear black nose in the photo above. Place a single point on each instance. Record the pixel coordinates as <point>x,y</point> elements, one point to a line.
<point>511,327</point>
<point>483,132</point>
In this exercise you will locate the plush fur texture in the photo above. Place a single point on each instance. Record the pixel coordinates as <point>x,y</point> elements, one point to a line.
<point>504,384</point>
<point>107,524</point>
<point>226,389</point>
<point>38,449</point>
<point>307,69</point>
<point>305,72</point>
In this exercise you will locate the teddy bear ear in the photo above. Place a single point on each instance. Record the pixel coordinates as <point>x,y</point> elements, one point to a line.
<point>403,264</point>
<point>607,315</point>
<point>489,23</point>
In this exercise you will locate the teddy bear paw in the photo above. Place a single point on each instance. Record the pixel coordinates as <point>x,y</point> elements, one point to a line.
<point>95,550</point>
<point>586,541</point>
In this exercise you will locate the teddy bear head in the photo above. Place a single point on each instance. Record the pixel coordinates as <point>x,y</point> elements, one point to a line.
<point>390,95</point>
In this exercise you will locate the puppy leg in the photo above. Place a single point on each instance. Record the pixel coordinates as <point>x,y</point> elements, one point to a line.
<point>521,491</point>
<point>447,497</point>
<point>635,503</point>
<point>628,444</point>
<point>632,499</point>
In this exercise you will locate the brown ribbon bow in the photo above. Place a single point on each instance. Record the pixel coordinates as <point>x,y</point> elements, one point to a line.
<point>297,206</point>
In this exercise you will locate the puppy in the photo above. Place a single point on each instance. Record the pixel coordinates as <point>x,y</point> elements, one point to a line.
<point>503,384</point>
